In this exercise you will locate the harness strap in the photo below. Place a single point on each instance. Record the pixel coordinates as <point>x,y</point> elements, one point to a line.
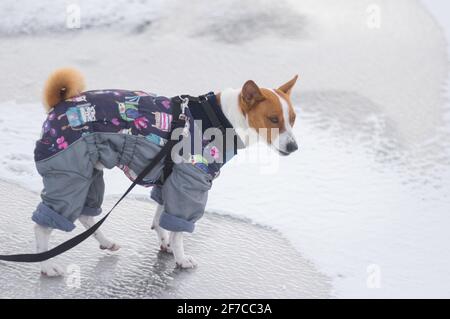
<point>210,113</point>
<point>69,244</point>
<point>177,122</point>
<point>215,121</point>
<point>206,106</point>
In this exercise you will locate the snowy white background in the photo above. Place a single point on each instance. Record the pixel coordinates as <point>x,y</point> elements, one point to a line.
<point>370,183</point>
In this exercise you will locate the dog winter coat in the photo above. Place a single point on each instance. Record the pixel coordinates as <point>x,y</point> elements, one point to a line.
<point>124,129</point>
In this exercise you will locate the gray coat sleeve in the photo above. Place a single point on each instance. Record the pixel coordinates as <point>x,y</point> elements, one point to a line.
<point>184,195</point>
<point>63,198</point>
<point>72,187</point>
<point>94,199</point>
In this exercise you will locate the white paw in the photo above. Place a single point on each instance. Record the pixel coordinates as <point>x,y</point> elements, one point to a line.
<point>110,247</point>
<point>163,236</point>
<point>187,262</point>
<point>52,270</point>
<point>164,247</point>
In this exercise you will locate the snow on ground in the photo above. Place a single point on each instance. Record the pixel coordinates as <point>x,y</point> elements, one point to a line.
<point>368,188</point>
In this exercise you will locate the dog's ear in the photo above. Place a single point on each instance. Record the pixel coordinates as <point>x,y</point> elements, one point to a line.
<point>287,87</point>
<point>251,95</point>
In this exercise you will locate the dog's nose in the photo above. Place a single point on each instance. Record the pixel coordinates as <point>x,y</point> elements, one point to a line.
<point>292,147</point>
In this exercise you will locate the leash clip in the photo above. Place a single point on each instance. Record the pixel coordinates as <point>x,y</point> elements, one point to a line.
<point>184,104</point>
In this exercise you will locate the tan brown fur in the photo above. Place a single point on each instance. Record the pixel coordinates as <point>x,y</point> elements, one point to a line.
<point>260,104</point>
<point>61,85</point>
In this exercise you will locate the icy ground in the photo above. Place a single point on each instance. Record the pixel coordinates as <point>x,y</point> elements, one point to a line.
<point>367,194</point>
<point>237,260</point>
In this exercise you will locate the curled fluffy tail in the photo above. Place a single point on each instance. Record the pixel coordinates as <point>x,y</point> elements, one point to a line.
<point>61,85</point>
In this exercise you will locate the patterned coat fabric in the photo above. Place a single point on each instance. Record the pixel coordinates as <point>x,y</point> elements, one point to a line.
<point>112,111</point>
<point>125,129</point>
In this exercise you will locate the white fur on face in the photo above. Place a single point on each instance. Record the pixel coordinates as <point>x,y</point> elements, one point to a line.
<point>249,135</point>
<point>282,140</point>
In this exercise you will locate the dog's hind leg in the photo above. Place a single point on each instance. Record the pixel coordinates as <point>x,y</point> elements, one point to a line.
<point>163,235</point>
<point>105,243</point>
<point>181,260</point>
<point>48,268</point>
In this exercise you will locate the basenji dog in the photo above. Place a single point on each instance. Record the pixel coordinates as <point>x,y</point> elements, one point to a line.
<point>92,130</point>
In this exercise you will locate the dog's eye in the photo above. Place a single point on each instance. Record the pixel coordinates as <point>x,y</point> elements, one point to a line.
<point>273,119</point>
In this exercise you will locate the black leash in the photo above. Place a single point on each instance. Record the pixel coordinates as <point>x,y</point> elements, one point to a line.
<point>177,122</point>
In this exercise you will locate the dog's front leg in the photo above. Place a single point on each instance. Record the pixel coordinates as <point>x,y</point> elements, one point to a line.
<point>181,260</point>
<point>163,235</point>
<point>48,268</point>
<point>105,243</point>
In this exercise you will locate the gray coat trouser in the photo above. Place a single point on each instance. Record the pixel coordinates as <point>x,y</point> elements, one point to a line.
<point>73,187</point>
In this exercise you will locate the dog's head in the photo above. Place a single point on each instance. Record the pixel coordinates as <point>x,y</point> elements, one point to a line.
<point>271,114</point>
